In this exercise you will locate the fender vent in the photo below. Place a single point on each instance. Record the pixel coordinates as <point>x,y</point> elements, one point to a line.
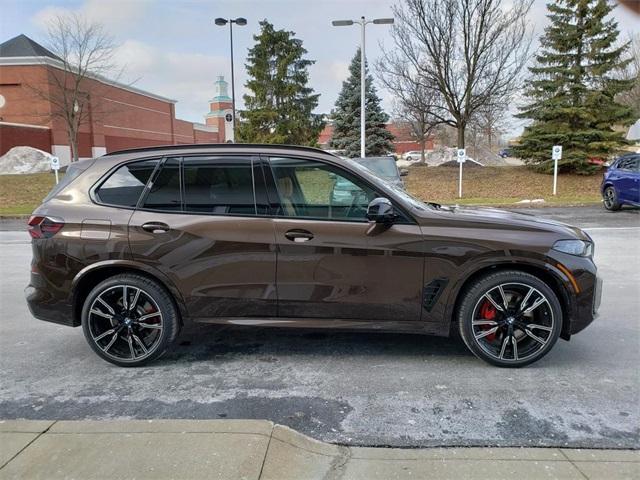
<point>432,291</point>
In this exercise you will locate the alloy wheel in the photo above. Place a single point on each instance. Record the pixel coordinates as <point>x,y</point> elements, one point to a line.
<point>126,323</point>
<point>513,322</point>
<point>609,198</point>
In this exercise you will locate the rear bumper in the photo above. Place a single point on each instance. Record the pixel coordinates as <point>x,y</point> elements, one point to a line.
<point>44,306</point>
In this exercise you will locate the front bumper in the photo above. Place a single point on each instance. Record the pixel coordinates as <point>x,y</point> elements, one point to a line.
<point>587,305</point>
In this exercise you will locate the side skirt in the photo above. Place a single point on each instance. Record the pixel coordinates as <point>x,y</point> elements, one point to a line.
<point>346,324</point>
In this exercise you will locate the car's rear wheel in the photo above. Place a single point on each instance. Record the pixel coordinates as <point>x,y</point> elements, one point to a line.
<point>129,320</point>
<point>510,318</point>
<point>610,199</point>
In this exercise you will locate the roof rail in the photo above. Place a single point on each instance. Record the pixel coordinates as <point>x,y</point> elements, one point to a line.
<point>191,146</point>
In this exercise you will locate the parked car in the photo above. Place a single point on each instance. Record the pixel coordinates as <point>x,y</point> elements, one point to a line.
<point>621,182</point>
<point>412,156</point>
<point>386,168</point>
<point>137,243</point>
<point>505,153</point>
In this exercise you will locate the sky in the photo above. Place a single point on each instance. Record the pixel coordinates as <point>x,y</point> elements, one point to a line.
<point>173,48</point>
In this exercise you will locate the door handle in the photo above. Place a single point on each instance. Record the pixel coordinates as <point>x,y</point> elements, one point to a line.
<point>156,227</point>
<point>299,235</point>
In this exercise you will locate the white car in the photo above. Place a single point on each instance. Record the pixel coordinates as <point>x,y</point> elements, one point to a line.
<point>412,156</point>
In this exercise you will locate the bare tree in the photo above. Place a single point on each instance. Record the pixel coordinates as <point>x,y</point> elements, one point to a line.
<point>414,103</point>
<point>470,51</point>
<point>85,52</point>
<point>490,121</point>
<point>631,71</point>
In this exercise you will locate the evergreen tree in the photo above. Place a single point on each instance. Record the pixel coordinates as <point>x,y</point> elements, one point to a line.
<point>279,107</point>
<point>573,88</point>
<point>346,117</point>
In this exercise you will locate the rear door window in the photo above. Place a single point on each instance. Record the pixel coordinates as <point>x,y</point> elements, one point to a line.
<point>124,186</point>
<point>219,186</point>
<point>165,193</point>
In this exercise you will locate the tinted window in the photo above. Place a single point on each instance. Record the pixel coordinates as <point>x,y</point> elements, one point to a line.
<point>316,190</point>
<point>164,193</point>
<point>125,185</point>
<point>219,186</point>
<point>628,163</point>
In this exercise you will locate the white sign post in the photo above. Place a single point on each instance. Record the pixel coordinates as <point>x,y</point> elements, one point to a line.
<point>55,166</point>
<point>461,158</point>
<point>556,154</point>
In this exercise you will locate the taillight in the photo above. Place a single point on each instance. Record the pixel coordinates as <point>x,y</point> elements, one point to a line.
<point>44,227</point>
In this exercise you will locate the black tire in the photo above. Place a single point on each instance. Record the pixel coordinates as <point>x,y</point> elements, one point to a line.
<point>610,199</point>
<point>127,332</point>
<point>512,327</point>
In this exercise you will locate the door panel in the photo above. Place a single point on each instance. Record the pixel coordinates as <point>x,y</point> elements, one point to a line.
<point>223,266</point>
<point>625,179</point>
<point>343,273</point>
<point>328,265</point>
<point>208,238</point>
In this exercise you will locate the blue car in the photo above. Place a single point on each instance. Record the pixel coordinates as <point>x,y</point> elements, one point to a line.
<point>621,182</point>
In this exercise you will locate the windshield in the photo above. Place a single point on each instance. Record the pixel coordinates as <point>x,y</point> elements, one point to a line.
<point>384,167</point>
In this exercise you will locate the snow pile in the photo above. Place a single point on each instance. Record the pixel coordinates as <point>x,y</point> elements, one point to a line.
<point>21,160</point>
<point>433,158</point>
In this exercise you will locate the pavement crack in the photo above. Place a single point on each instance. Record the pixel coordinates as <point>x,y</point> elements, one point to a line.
<point>338,464</point>
<point>266,451</point>
<point>584,475</point>
<point>28,445</point>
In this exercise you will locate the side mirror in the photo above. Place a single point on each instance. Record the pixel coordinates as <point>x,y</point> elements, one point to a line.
<point>404,172</point>
<point>380,210</point>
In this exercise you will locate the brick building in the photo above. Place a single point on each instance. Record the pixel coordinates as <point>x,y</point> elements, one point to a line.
<point>404,138</point>
<point>120,116</point>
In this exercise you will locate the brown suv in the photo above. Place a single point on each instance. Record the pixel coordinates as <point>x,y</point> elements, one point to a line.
<point>135,243</point>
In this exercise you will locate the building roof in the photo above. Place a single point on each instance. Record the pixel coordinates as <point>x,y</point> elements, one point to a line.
<point>21,50</point>
<point>23,46</point>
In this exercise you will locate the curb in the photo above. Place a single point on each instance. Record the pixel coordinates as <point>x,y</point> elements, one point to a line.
<point>260,449</point>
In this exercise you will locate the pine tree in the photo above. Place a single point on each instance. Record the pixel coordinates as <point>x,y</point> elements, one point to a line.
<point>279,107</point>
<point>573,88</point>
<point>346,117</point>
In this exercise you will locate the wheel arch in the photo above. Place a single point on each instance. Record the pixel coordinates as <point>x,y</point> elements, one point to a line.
<point>606,185</point>
<point>551,276</point>
<point>90,276</point>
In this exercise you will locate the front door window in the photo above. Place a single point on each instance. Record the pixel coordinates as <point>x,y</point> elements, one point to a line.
<point>315,190</point>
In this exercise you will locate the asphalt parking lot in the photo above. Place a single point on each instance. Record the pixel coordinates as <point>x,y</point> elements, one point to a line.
<point>350,388</point>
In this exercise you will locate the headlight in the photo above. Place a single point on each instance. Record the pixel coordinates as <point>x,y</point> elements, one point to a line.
<point>574,247</point>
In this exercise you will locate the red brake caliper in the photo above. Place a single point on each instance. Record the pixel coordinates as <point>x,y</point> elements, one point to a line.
<point>488,312</point>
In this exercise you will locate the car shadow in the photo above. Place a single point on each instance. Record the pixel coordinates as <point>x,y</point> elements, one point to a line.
<point>207,342</point>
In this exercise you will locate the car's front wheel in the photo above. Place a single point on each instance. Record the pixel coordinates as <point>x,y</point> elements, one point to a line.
<point>129,320</point>
<point>610,199</point>
<point>510,318</point>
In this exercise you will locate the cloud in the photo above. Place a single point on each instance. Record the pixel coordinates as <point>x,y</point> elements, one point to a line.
<point>187,77</point>
<point>115,15</point>
<point>328,73</point>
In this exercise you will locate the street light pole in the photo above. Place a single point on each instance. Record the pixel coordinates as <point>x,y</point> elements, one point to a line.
<point>362,90</point>
<point>221,22</point>
<point>363,23</point>
<point>233,84</point>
